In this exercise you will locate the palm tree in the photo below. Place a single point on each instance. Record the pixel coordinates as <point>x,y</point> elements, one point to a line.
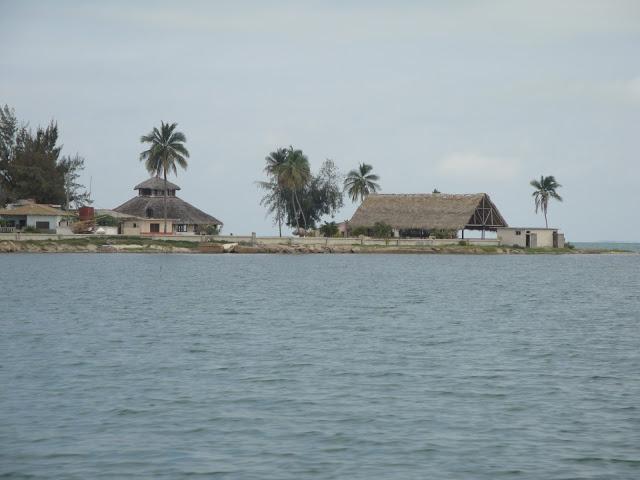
<point>294,174</point>
<point>545,189</point>
<point>275,160</point>
<point>361,182</point>
<point>165,153</point>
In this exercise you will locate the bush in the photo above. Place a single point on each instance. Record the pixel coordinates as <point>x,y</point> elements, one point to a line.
<point>444,233</point>
<point>30,229</point>
<point>107,221</point>
<point>569,245</point>
<point>379,230</point>
<point>329,229</point>
<point>210,230</point>
<point>382,230</point>
<point>356,232</point>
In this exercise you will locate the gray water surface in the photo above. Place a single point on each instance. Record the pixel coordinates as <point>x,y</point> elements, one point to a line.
<point>321,367</point>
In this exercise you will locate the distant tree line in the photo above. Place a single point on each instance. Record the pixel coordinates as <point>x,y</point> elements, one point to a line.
<point>31,165</point>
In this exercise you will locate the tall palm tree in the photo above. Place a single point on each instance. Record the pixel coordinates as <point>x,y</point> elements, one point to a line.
<point>361,182</point>
<point>294,174</point>
<point>275,160</point>
<point>166,152</point>
<point>545,189</point>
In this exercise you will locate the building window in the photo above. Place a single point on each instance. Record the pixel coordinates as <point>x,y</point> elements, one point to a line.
<point>154,228</point>
<point>135,225</point>
<point>149,212</point>
<point>518,232</point>
<point>181,227</point>
<point>42,225</point>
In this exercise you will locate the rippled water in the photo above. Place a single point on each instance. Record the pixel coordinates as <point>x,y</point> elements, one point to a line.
<point>327,366</point>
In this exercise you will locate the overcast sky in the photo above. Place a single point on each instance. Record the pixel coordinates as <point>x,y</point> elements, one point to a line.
<point>466,96</point>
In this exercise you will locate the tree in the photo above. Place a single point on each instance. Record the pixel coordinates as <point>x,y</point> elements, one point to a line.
<point>166,152</point>
<point>323,194</point>
<point>273,198</point>
<point>294,195</point>
<point>361,182</point>
<point>293,175</point>
<point>329,229</point>
<point>545,189</point>
<point>34,171</point>
<point>75,193</point>
<point>8,132</point>
<point>30,167</point>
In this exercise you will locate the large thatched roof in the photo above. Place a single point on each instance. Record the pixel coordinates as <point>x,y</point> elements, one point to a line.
<point>177,210</point>
<point>156,183</point>
<point>429,211</point>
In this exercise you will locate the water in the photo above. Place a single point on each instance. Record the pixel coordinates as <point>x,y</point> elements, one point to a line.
<point>320,367</point>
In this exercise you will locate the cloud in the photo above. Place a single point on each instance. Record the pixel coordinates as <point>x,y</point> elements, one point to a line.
<point>478,166</point>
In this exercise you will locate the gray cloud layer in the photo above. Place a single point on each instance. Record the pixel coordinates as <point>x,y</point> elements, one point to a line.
<point>462,96</point>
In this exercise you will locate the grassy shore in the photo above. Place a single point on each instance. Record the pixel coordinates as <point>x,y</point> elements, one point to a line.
<point>149,245</point>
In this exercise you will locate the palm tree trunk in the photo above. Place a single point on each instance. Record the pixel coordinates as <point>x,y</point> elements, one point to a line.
<point>546,224</point>
<point>304,219</point>
<point>279,222</point>
<point>279,213</point>
<point>164,201</point>
<point>295,213</point>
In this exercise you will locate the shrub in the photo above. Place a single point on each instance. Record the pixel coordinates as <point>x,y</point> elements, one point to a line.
<point>569,245</point>
<point>443,233</point>
<point>30,229</point>
<point>382,230</point>
<point>107,221</point>
<point>211,230</point>
<point>356,232</point>
<point>329,229</point>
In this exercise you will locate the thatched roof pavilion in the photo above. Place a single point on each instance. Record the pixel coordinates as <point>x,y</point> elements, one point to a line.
<point>429,211</point>
<point>149,204</point>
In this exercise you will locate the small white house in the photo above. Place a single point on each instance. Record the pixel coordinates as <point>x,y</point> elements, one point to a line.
<point>527,237</point>
<point>44,218</point>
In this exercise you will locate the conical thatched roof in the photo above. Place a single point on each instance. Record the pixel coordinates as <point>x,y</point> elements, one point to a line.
<point>156,183</point>
<point>177,210</point>
<point>429,211</point>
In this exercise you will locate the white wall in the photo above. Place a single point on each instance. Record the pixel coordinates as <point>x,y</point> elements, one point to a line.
<point>52,219</point>
<point>508,237</point>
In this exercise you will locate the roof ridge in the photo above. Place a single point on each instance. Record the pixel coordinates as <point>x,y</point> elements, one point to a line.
<point>425,194</point>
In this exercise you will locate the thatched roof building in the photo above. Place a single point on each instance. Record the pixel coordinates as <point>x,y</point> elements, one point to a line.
<point>432,211</point>
<point>149,204</point>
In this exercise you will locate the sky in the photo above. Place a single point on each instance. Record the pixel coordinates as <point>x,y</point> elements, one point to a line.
<point>465,97</point>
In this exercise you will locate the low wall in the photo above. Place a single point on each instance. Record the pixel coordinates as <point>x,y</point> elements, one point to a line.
<point>395,242</point>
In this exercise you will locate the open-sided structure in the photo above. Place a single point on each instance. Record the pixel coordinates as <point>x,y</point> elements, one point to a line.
<point>429,212</point>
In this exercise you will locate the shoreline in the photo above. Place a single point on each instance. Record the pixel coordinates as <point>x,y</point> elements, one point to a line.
<point>101,245</point>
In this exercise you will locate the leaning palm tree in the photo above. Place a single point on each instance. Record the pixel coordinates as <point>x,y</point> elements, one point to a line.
<point>166,152</point>
<point>275,160</point>
<point>294,174</point>
<point>545,188</point>
<point>361,182</point>
<point>274,200</point>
